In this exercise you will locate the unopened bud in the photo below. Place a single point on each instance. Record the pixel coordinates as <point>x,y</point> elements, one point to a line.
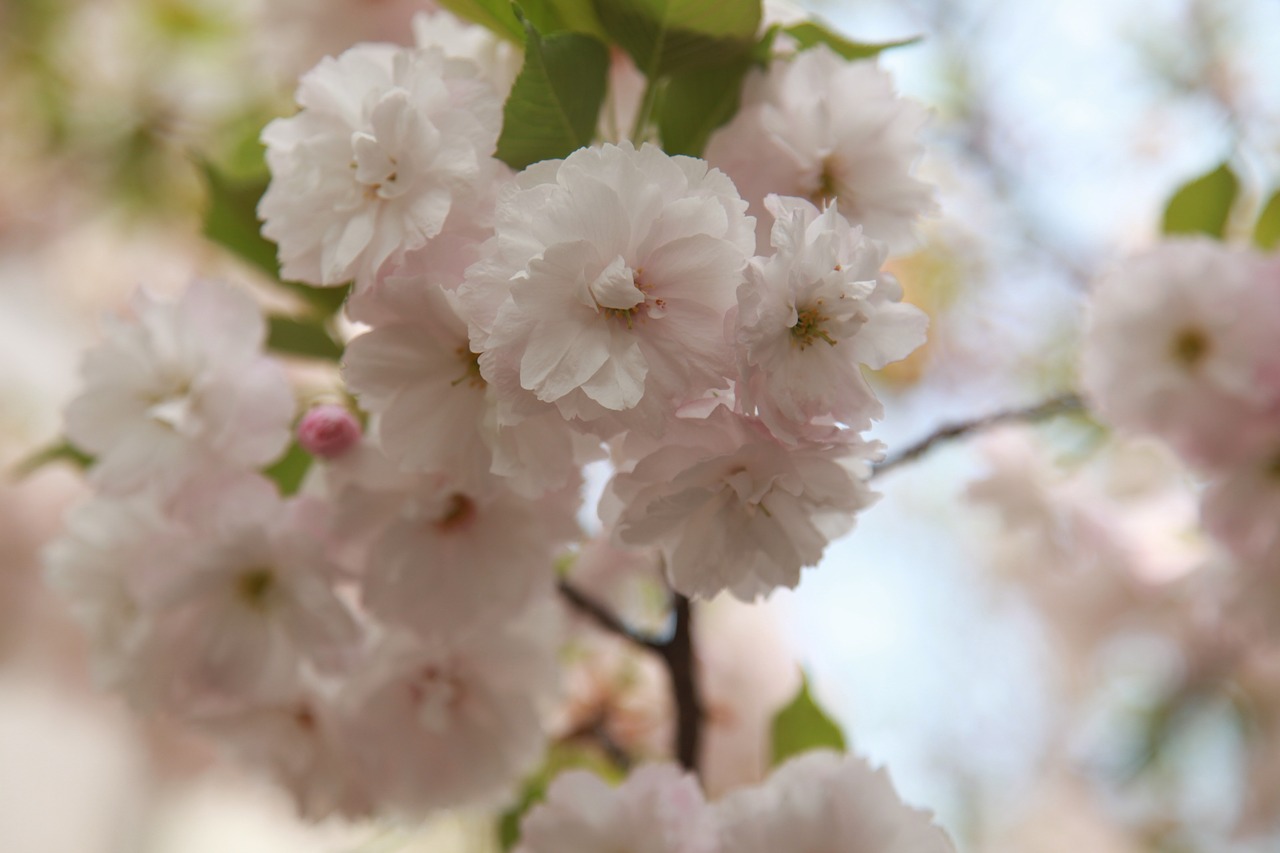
<point>328,431</point>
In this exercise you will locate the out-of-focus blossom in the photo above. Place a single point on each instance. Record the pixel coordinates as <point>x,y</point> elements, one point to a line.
<point>819,127</point>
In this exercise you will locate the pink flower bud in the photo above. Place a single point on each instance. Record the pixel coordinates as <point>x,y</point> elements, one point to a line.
<point>328,431</point>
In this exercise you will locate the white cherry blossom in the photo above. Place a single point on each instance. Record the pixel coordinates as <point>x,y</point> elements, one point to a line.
<point>811,315</point>
<point>1174,343</point>
<point>386,140</point>
<point>820,127</point>
<point>822,801</point>
<point>456,721</point>
<point>657,809</point>
<point>605,288</point>
<point>450,561</point>
<point>181,388</point>
<point>731,507</point>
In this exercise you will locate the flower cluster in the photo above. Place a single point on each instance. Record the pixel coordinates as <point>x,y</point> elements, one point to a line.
<point>385,638</point>
<point>1181,344</point>
<point>816,802</point>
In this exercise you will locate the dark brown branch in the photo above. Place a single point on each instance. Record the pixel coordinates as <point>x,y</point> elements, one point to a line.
<point>1061,405</point>
<point>598,613</point>
<point>677,655</point>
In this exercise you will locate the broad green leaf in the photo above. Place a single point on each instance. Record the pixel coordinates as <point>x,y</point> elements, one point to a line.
<point>579,16</point>
<point>554,104</point>
<point>1203,205</point>
<point>810,33</point>
<point>305,338</point>
<point>669,36</point>
<point>496,15</point>
<point>63,451</point>
<point>1266,234</point>
<point>289,470</point>
<point>694,104</point>
<point>231,220</point>
<point>554,16</point>
<point>802,726</point>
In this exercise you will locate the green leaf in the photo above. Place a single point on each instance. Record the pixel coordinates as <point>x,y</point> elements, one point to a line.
<point>63,451</point>
<point>802,726</point>
<point>496,15</point>
<point>1203,205</point>
<point>305,338</point>
<point>231,220</point>
<point>1266,234</point>
<point>694,104</point>
<point>811,33</point>
<point>554,16</point>
<point>555,102</point>
<point>669,36</point>
<point>289,470</point>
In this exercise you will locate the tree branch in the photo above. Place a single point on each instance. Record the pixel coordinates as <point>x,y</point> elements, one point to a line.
<point>604,619</point>
<point>1060,405</point>
<point>677,655</point>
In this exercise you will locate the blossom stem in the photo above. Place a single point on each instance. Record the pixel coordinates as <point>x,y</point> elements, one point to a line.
<point>677,655</point>
<point>645,112</point>
<point>1063,404</point>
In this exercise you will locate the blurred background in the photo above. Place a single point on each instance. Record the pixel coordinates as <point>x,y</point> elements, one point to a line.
<point>1022,629</point>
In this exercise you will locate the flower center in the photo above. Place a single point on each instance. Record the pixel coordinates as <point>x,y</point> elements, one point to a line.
<point>1190,346</point>
<point>375,167</point>
<point>828,189</point>
<point>471,366</point>
<point>254,586</point>
<point>458,513</point>
<point>809,327</point>
<point>436,693</point>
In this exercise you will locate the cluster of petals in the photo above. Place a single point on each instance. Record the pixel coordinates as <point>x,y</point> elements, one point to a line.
<point>819,127</point>
<point>733,508</point>
<point>384,639</point>
<point>604,289</point>
<point>811,316</point>
<point>180,389</point>
<point>312,633</point>
<point>387,139</point>
<point>816,802</point>
<point>1180,343</point>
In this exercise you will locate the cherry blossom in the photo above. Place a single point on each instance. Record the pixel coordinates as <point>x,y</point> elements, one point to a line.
<point>822,801</point>
<point>658,809</point>
<point>823,128</point>
<point>456,721</point>
<point>386,140</point>
<point>180,389</point>
<point>811,315</point>
<point>733,508</point>
<point>1173,346</point>
<point>605,288</point>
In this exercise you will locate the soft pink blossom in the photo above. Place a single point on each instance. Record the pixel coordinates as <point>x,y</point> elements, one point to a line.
<point>657,809</point>
<point>181,388</point>
<point>604,291</point>
<point>387,139</point>
<point>820,127</point>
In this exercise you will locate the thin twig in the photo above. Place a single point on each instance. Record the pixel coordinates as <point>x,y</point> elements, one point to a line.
<point>1060,405</point>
